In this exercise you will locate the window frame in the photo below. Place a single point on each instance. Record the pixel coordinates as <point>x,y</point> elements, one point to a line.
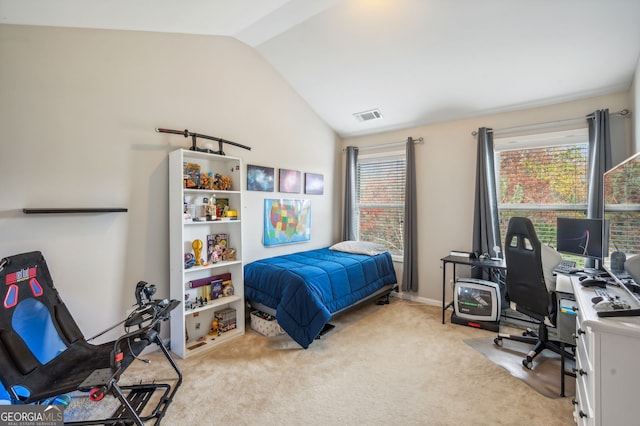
<point>377,157</point>
<point>567,138</point>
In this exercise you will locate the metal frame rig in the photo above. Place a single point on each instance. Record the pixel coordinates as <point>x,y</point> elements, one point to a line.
<point>194,147</point>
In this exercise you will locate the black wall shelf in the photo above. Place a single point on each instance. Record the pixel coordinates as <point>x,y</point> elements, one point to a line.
<point>75,210</point>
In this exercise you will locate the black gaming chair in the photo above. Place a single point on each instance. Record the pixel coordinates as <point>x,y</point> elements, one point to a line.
<point>43,353</point>
<point>526,289</point>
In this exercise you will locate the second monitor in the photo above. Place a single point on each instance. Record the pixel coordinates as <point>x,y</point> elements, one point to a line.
<point>581,237</point>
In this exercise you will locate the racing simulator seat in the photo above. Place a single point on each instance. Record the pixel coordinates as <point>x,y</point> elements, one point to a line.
<point>44,354</point>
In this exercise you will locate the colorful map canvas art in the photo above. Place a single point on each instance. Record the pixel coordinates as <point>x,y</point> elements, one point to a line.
<point>286,221</point>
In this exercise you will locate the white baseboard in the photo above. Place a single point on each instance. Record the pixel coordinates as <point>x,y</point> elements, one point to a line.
<point>418,299</point>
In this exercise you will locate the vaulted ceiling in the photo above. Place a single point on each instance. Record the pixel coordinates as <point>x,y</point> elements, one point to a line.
<point>417,61</point>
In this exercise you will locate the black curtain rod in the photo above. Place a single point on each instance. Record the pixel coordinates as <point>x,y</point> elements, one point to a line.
<point>388,145</point>
<point>622,113</point>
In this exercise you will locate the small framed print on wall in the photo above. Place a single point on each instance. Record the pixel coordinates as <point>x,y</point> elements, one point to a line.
<point>260,178</point>
<point>313,183</point>
<point>290,181</point>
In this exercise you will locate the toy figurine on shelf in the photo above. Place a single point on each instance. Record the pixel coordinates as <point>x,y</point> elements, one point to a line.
<point>230,254</point>
<point>222,183</point>
<point>215,326</point>
<point>206,181</point>
<point>210,208</point>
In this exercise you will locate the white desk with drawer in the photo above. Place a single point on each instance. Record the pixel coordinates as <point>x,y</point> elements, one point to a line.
<point>607,362</point>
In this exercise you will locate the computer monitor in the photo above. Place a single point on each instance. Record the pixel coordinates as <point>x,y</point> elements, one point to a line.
<point>580,237</point>
<point>622,211</point>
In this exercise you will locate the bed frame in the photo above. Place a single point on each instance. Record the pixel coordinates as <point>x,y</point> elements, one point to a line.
<point>382,295</point>
<point>305,290</point>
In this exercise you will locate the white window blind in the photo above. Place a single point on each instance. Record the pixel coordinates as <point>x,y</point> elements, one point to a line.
<point>380,198</point>
<point>542,183</point>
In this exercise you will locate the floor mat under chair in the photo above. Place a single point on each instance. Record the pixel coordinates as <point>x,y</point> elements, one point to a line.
<point>82,408</point>
<point>545,376</point>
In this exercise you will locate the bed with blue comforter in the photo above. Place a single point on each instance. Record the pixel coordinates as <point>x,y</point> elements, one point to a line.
<point>306,288</point>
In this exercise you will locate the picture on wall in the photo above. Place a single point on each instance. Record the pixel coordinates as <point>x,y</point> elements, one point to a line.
<point>286,221</point>
<point>260,178</point>
<point>290,181</point>
<point>313,183</point>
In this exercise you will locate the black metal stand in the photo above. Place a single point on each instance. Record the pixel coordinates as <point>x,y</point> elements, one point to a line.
<point>457,260</point>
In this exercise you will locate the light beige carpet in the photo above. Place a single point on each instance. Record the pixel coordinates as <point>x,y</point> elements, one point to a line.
<point>545,376</point>
<point>393,364</point>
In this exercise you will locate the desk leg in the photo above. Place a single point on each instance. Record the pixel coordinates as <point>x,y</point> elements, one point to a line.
<point>444,279</point>
<point>445,305</point>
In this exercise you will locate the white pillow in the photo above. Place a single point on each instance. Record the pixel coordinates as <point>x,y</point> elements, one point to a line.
<point>359,247</point>
<point>550,260</point>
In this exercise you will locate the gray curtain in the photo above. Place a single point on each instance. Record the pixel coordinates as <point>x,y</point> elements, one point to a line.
<point>410,265</point>
<point>486,221</point>
<point>599,162</point>
<point>349,219</point>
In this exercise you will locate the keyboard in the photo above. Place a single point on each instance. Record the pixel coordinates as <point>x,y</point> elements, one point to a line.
<point>603,292</point>
<point>566,269</point>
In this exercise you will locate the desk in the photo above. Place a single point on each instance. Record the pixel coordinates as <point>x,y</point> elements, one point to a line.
<point>458,260</point>
<point>607,351</point>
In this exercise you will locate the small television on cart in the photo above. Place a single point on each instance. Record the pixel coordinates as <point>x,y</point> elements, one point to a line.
<point>476,303</point>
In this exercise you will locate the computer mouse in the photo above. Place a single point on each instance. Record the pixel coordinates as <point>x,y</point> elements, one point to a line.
<point>597,300</point>
<point>604,305</point>
<point>593,282</point>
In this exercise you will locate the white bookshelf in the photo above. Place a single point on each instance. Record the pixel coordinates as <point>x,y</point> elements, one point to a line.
<point>190,326</point>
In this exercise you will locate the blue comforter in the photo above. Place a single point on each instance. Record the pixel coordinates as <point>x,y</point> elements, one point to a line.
<point>306,288</point>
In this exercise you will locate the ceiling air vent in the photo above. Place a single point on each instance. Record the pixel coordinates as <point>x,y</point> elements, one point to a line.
<point>373,114</point>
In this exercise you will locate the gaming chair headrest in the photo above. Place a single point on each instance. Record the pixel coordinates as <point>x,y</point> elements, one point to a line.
<point>26,276</point>
<point>524,227</point>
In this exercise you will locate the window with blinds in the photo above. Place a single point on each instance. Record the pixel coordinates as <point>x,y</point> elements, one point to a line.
<point>542,180</point>
<point>380,198</point>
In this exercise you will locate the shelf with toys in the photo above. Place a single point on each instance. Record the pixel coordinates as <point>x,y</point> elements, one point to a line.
<point>205,196</point>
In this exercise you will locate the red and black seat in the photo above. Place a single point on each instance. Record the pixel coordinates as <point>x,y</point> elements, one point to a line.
<point>43,352</point>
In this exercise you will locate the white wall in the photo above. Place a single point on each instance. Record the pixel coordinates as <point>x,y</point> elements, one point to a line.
<point>78,112</point>
<point>445,175</point>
